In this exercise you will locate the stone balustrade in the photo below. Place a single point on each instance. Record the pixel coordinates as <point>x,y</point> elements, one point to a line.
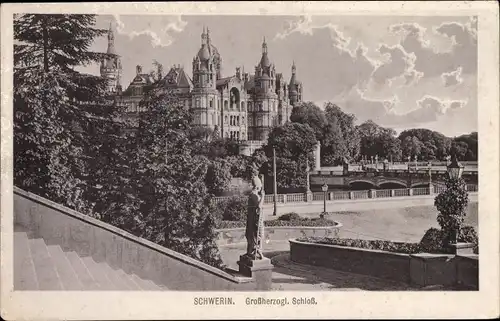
<point>353,195</point>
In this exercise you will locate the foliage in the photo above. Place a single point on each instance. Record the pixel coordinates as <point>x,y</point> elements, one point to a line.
<point>350,136</point>
<point>55,106</point>
<point>434,240</point>
<point>218,176</point>
<point>466,146</point>
<point>381,245</point>
<point>424,143</point>
<point>451,205</point>
<point>289,217</point>
<point>309,222</point>
<point>170,181</point>
<point>232,209</point>
<point>377,140</point>
<point>294,144</point>
<point>308,113</point>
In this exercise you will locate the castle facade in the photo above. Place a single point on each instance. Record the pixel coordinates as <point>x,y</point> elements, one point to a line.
<point>243,106</point>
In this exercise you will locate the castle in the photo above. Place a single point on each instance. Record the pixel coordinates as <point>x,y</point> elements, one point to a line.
<point>243,107</point>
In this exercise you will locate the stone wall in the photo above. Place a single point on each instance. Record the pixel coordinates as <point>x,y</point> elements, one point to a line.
<point>74,231</point>
<point>418,269</point>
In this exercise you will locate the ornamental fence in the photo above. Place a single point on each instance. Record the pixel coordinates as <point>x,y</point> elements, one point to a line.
<point>352,195</point>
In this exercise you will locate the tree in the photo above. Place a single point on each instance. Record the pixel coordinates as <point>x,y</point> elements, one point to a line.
<point>451,205</point>
<point>294,143</point>
<point>432,145</point>
<point>309,114</point>
<point>54,104</point>
<point>351,139</point>
<point>379,141</point>
<point>468,146</point>
<point>171,181</point>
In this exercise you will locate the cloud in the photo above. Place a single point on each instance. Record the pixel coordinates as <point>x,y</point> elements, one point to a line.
<point>400,63</point>
<point>158,28</point>
<point>463,52</point>
<point>384,111</point>
<point>452,78</point>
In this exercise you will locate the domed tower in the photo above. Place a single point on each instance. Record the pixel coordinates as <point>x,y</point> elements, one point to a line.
<point>111,67</point>
<point>206,65</point>
<point>265,99</point>
<point>295,88</point>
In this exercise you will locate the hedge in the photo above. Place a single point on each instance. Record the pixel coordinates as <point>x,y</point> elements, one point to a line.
<point>431,242</point>
<point>276,223</point>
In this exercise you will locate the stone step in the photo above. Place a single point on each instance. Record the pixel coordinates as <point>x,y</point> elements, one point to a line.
<point>24,269</point>
<point>86,279</point>
<point>140,282</point>
<point>128,280</point>
<point>45,270</point>
<point>118,281</point>
<point>98,272</point>
<point>67,274</point>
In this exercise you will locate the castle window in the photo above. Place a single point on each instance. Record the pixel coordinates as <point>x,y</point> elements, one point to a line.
<point>225,119</point>
<point>197,103</point>
<point>250,136</point>
<point>260,106</point>
<point>242,106</point>
<point>238,120</point>
<point>225,104</point>
<point>211,103</point>
<point>249,106</point>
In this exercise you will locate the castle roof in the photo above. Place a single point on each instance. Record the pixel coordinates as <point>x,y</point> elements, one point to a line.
<point>176,78</point>
<point>139,81</point>
<point>204,53</point>
<point>223,81</point>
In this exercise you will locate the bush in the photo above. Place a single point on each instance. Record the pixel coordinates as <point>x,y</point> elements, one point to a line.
<point>389,246</point>
<point>289,217</point>
<point>275,223</point>
<point>468,234</point>
<point>432,241</point>
<point>232,209</point>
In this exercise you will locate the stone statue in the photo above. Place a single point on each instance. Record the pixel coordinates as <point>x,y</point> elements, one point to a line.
<point>255,220</point>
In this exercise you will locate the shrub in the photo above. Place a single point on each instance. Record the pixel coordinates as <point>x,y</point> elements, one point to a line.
<point>289,217</point>
<point>433,241</point>
<point>468,234</point>
<point>389,246</point>
<point>232,209</point>
<point>275,223</point>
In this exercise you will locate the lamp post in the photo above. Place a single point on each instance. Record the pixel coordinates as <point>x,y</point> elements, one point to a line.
<point>416,164</point>
<point>430,178</point>
<point>275,187</point>
<point>455,170</point>
<point>324,188</point>
<point>386,165</point>
<point>409,159</point>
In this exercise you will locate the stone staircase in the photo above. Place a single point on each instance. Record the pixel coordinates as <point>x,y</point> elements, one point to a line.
<point>38,266</point>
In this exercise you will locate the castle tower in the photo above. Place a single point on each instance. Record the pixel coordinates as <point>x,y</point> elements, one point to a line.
<point>111,67</point>
<point>295,88</point>
<point>204,98</point>
<point>265,112</point>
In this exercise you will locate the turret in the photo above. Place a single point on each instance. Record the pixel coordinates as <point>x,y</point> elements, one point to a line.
<point>295,88</point>
<point>111,66</point>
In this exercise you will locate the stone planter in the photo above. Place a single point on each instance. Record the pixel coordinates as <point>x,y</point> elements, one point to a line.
<point>231,236</point>
<point>421,269</point>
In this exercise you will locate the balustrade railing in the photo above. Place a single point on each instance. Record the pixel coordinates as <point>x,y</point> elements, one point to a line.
<point>349,195</point>
<point>383,193</point>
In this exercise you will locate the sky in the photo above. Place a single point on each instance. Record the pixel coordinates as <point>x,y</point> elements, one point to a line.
<point>399,71</point>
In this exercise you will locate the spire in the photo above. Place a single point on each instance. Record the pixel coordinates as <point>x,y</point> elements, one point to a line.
<point>264,46</point>
<point>111,40</point>
<point>293,67</point>
<point>204,36</point>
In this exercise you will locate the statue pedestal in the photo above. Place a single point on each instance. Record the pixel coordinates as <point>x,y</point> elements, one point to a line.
<point>260,270</point>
